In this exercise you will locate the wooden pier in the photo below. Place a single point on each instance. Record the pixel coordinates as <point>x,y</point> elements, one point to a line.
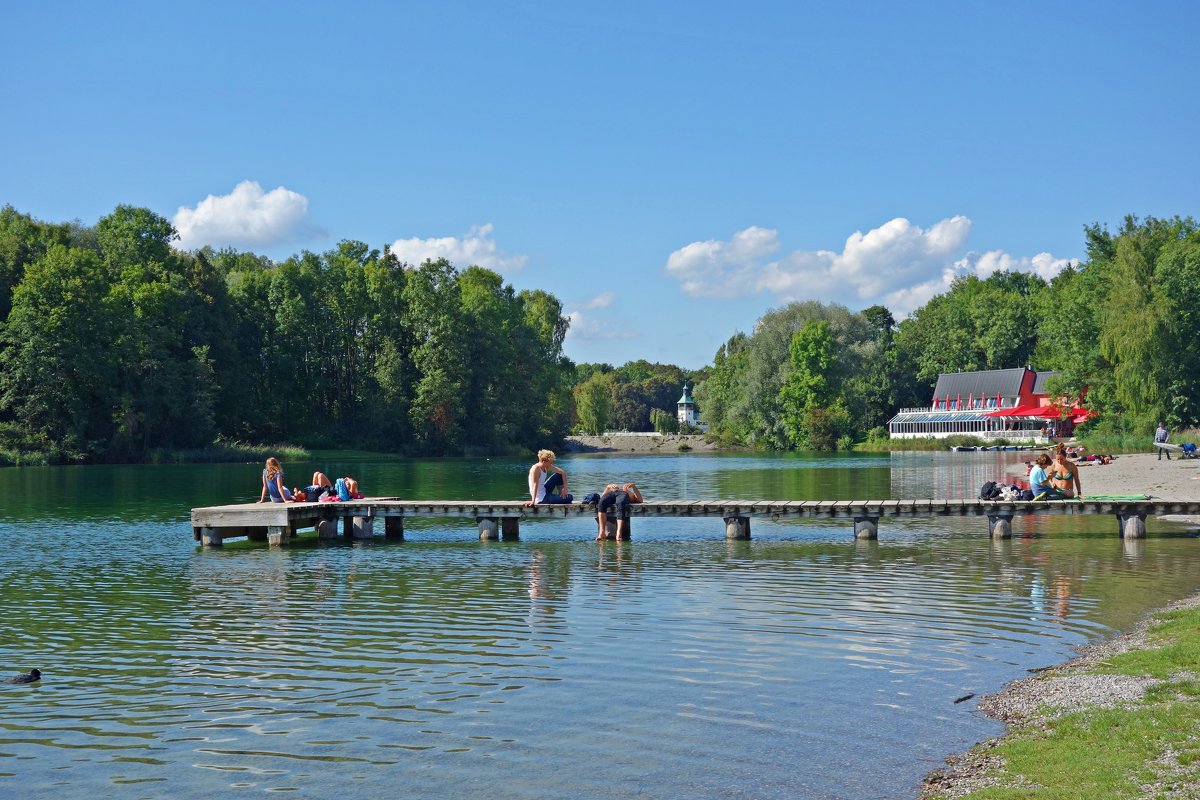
<point>276,523</point>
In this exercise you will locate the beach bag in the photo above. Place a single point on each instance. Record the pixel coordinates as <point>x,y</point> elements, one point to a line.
<point>591,498</point>
<point>343,492</point>
<point>989,491</point>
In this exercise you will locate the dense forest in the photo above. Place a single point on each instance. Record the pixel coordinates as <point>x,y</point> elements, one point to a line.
<point>1124,324</point>
<point>113,345</point>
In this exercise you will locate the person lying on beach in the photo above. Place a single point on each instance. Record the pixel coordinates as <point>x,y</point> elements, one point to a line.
<point>616,497</point>
<point>547,483</point>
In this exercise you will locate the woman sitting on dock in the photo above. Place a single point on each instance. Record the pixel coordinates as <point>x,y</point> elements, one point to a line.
<point>1039,480</point>
<point>272,483</point>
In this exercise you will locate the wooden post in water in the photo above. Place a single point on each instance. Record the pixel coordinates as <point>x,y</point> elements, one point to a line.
<point>737,527</point>
<point>1133,525</point>
<point>1000,526</point>
<point>278,534</point>
<point>487,529</point>
<point>362,527</point>
<point>866,527</point>
<point>327,528</point>
<point>510,528</point>
<point>393,528</point>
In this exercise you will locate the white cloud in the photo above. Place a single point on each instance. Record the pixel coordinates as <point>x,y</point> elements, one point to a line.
<point>476,248</point>
<point>720,269</point>
<point>587,326</point>
<point>247,217</point>
<point>603,300</point>
<point>898,264</point>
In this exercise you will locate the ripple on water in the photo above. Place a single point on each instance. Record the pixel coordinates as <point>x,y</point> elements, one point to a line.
<point>798,664</point>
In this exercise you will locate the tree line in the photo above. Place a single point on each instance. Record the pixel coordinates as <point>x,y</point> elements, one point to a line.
<point>114,344</point>
<point>1123,327</point>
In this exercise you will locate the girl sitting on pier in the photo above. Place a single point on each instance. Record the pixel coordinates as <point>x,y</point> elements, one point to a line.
<point>272,483</point>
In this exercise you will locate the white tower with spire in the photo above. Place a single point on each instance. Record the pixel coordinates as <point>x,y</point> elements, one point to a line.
<point>687,411</point>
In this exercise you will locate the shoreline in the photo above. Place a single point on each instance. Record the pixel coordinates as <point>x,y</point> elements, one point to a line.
<point>661,444</point>
<point>1050,693</point>
<point>1067,688</point>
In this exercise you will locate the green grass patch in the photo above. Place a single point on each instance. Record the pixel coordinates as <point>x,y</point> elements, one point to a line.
<point>1113,753</point>
<point>227,451</point>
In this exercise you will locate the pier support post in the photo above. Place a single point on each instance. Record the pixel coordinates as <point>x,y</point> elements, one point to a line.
<point>1000,526</point>
<point>327,528</point>
<point>1133,525</point>
<point>209,537</point>
<point>737,527</point>
<point>510,528</point>
<point>362,527</point>
<point>278,534</point>
<point>866,527</point>
<point>393,528</point>
<point>487,529</point>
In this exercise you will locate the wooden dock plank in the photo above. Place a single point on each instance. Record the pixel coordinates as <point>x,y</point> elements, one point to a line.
<point>215,523</point>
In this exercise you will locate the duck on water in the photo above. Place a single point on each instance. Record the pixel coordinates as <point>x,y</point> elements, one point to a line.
<point>28,677</point>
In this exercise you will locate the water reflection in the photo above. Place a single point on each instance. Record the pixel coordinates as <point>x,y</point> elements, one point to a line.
<point>815,664</point>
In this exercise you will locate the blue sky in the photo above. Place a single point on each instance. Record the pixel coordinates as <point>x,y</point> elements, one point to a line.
<point>670,171</point>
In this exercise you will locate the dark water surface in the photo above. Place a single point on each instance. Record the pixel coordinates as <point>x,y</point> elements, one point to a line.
<point>801,664</point>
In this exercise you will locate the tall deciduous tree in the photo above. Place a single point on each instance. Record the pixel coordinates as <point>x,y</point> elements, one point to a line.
<point>593,399</point>
<point>57,380</point>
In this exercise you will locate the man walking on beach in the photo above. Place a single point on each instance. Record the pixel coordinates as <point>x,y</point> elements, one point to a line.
<point>1160,437</point>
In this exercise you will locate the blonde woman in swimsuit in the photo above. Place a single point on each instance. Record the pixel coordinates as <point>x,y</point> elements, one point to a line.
<point>1064,474</point>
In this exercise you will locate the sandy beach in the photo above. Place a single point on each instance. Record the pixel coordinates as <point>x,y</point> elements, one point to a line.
<point>1142,473</point>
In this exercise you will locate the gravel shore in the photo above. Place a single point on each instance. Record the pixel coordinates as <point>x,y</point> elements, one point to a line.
<point>663,444</point>
<point>1067,689</point>
<point>1051,693</point>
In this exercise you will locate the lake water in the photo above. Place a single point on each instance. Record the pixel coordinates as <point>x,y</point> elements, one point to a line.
<point>800,664</point>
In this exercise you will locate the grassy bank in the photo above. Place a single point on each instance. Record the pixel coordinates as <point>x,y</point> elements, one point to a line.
<point>218,452</point>
<point>1142,748</point>
<point>876,445</point>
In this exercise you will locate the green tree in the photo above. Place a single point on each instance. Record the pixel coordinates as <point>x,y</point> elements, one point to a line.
<point>1135,335</point>
<point>593,399</point>
<point>57,381</point>
<point>812,382</point>
<point>432,305</point>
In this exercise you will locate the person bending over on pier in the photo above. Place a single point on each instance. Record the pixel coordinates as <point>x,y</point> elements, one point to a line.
<point>272,483</point>
<point>547,483</point>
<point>617,498</point>
<point>1064,474</point>
<point>1039,481</point>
